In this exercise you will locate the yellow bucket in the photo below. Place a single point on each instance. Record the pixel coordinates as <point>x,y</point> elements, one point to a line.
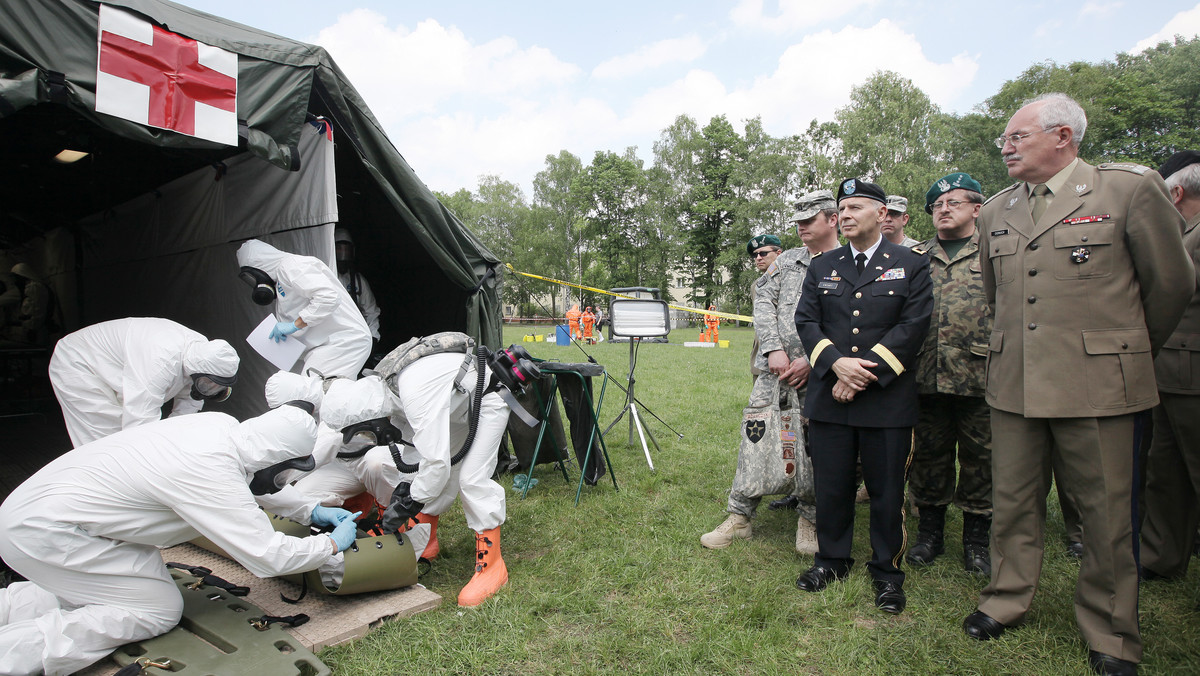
<point>527,339</point>
<point>722,343</point>
<point>540,338</point>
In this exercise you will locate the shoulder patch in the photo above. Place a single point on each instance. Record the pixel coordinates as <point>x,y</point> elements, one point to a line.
<point>761,280</point>
<point>1002,192</point>
<point>1124,166</point>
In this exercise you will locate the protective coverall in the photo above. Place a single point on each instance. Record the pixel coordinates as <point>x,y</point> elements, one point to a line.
<point>85,531</point>
<point>433,415</point>
<point>711,327</point>
<point>353,281</point>
<point>573,322</point>
<point>336,335</point>
<point>118,374</point>
<point>589,320</point>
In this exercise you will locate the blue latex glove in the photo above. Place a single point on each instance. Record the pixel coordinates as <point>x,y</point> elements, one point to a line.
<point>345,533</point>
<point>282,330</point>
<point>329,516</point>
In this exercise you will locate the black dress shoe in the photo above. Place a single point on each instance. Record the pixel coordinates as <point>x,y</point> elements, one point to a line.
<point>1075,550</point>
<point>817,578</point>
<point>979,625</point>
<point>889,597</point>
<point>1110,666</point>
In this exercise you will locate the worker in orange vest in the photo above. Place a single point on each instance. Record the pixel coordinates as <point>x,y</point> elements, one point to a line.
<point>711,322</point>
<point>589,320</point>
<point>573,320</point>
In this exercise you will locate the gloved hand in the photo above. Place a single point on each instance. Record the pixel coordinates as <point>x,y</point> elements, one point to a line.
<point>329,516</point>
<point>402,508</point>
<point>345,533</point>
<point>282,330</point>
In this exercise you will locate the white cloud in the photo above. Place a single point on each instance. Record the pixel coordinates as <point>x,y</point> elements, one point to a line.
<point>1185,23</point>
<point>674,50</point>
<point>1099,9</point>
<point>793,14</point>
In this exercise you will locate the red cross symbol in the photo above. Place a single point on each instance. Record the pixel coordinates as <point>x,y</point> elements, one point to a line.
<point>171,68</point>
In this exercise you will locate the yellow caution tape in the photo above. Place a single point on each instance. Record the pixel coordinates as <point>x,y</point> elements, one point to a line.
<point>715,313</point>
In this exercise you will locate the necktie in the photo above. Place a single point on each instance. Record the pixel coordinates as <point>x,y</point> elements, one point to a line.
<point>1039,201</point>
<point>860,261</point>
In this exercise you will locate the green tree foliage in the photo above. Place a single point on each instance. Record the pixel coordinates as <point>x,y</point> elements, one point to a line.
<point>558,213</point>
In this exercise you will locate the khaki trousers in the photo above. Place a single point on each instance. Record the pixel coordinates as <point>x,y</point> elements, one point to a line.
<point>1097,459</point>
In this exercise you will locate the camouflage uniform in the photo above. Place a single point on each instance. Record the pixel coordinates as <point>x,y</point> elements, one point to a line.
<point>775,296</point>
<point>951,370</point>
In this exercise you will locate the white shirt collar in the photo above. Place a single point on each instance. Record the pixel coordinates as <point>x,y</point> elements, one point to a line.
<point>870,250</point>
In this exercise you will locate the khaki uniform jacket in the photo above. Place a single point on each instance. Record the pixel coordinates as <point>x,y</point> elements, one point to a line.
<point>775,296</point>
<point>1177,366</point>
<point>953,359</point>
<point>1075,339</point>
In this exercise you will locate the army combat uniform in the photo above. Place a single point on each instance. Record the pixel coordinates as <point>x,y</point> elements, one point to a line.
<point>951,370</point>
<point>775,296</point>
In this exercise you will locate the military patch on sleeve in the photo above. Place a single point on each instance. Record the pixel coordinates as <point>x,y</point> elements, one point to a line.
<point>761,281</point>
<point>1125,166</point>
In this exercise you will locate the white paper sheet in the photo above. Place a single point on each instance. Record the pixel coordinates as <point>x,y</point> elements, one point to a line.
<point>282,354</point>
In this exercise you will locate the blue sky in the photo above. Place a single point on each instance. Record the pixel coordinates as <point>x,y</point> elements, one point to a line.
<point>466,89</point>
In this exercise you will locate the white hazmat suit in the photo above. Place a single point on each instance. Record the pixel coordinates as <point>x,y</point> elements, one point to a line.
<point>86,532</point>
<point>118,374</point>
<point>336,335</point>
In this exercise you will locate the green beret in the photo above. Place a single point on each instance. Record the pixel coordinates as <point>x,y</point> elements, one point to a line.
<point>950,182</point>
<point>761,241</point>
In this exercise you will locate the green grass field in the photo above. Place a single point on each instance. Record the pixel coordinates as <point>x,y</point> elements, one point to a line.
<point>620,584</point>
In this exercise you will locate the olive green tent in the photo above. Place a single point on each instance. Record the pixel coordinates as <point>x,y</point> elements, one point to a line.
<point>76,222</point>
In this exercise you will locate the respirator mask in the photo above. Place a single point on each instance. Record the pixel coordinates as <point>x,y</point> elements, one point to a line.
<point>209,387</point>
<point>361,437</point>
<point>268,480</point>
<point>263,287</point>
<point>513,368</point>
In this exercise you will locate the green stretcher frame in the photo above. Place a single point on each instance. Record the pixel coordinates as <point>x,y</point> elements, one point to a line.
<point>557,369</point>
<point>215,637</point>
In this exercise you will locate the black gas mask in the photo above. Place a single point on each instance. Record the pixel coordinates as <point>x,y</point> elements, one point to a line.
<point>268,480</point>
<point>212,388</point>
<point>263,287</point>
<point>361,437</point>
<point>514,368</point>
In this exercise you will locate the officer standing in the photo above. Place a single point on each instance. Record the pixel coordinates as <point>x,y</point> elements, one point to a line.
<point>1173,468</point>
<point>893,225</point>
<point>950,376</point>
<point>763,250</point>
<point>1087,276</point>
<point>862,317</point>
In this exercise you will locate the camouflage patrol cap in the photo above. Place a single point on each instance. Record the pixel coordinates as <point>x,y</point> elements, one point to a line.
<point>950,182</point>
<point>897,203</point>
<point>761,241</point>
<point>810,203</point>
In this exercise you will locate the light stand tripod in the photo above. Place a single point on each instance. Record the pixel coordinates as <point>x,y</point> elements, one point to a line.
<point>636,319</point>
<point>631,403</point>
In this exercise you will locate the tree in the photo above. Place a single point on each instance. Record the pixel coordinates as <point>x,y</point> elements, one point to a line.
<point>558,214</point>
<point>612,193</point>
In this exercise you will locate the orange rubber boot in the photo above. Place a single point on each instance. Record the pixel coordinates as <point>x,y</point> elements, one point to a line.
<point>490,572</point>
<point>431,549</point>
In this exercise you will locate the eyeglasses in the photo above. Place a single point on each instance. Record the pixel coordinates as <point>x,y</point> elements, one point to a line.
<point>761,254</point>
<point>952,204</point>
<point>1017,138</point>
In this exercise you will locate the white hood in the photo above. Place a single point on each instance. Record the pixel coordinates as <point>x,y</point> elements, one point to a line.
<point>273,437</point>
<point>352,401</point>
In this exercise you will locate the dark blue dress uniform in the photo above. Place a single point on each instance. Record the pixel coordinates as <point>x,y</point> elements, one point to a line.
<point>882,316</point>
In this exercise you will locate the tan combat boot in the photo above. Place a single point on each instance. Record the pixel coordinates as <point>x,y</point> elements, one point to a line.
<point>806,536</point>
<point>734,526</point>
<point>490,572</point>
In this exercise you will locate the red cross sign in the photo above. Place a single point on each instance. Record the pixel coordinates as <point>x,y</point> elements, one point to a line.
<point>157,78</point>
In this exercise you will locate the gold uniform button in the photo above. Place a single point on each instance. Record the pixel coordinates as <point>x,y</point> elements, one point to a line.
<point>854,331</point>
<point>856,313</point>
<point>891,293</point>
<point>854,349</point>
<point>858,295</point>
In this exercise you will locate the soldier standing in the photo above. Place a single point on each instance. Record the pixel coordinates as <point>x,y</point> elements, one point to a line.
<point>782,361</point>
<point>1087,277</point>
<point>951,369</point>
<point>896,220</point>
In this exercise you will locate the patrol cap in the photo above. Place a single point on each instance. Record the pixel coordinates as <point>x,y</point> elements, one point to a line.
<point>950,182</point>
<point>761,241</point>
<point>1178,161</point>
<point>897,204</point>
<point>812,203</point>
<point>856,187</point>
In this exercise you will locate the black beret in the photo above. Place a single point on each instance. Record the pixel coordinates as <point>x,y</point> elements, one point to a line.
<point>1178,161</point>
<point>853,187</point>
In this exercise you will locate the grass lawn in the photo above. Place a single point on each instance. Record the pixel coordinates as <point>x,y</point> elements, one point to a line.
<point>620,584</point>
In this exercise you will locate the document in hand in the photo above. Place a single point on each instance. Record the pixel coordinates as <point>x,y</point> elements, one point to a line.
<point>282,354</point>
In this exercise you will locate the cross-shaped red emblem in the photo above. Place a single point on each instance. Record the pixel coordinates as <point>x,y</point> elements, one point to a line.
<point>171,68</point>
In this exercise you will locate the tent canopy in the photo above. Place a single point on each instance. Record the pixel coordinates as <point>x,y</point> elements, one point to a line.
<point>429,272</point>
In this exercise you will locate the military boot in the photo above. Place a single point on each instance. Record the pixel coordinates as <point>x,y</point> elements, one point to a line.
<point>490,572</point>
<point>930,545</point>
<point>735,526</point>
<point>806,536</point>
<point>977,558</point>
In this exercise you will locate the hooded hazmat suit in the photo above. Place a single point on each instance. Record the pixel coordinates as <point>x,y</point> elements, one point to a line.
<point>118,374</point>
<point>85,531</point>
<point>337,338</point>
